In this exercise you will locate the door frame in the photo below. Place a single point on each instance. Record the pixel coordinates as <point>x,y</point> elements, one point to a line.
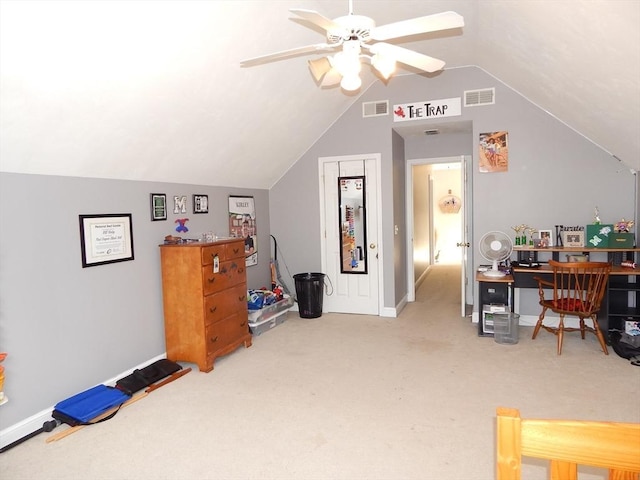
<point>377,158</point>
<point>467,260</point>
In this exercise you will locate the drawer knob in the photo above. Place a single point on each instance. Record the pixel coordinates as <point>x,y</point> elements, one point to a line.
<point>213,309</point>
<point>214,339</point>
<point>211,279</point>
<point>243,324</point>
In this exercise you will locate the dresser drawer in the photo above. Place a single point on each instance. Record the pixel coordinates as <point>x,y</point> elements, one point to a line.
<point>225,332</point>
<point>235,250</point>
<point>211,251</point>
<point>232,272</point>
<point>223,304</point>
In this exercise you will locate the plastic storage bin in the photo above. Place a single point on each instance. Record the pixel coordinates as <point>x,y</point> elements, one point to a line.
<point>505,328</point>
<point>264,325</point>
<point>258,316</point>
<point>268,317</point>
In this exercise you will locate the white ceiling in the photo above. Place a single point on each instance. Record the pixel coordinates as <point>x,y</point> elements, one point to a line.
<point>153,90</point>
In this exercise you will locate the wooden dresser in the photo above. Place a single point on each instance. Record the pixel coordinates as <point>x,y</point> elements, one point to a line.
<point>204,287</point>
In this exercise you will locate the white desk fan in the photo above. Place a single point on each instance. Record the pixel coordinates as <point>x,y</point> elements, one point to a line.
<point>495,247</point>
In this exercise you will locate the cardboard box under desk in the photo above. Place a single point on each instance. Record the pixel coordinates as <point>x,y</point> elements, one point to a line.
<point>598,236</point>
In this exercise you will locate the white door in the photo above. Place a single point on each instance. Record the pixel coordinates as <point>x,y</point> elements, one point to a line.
<point>356,292</point>
<point>465,298</point>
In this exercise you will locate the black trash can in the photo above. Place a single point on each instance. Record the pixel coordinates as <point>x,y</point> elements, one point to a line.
<point>309,290</point>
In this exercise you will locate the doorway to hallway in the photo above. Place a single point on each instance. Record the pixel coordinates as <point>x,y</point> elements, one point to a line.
<point>437,185</point>
<point>446,185</point>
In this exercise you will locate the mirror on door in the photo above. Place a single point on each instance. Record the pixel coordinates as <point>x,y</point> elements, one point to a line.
<point>353,224</point>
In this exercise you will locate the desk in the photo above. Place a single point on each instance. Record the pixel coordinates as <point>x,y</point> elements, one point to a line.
<point>621,302</point>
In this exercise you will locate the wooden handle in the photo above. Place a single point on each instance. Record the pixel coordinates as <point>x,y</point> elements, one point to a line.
<point>172,377</point>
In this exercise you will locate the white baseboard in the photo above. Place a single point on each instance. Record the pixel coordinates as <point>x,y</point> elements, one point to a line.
<point>531,320</point>
<point>391,312</point>
<point>29,425</point>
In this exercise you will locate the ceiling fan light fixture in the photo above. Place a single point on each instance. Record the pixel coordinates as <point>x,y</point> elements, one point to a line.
<point>347,63</point>
<point>319,67</point>
<point>349,35</point>
<point>351,83</point>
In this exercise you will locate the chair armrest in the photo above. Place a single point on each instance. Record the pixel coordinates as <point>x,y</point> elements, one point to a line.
<point>542,281</point>
<point>542,284</point>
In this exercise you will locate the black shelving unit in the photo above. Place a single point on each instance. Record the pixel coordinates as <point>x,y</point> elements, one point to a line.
<point>493,292</point>
<point>623,302</point>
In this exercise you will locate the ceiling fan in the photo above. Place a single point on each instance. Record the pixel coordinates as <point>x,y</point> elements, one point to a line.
<point>355,38</point>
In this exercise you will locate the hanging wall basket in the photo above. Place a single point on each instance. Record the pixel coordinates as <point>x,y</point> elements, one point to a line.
<point>450,203</point>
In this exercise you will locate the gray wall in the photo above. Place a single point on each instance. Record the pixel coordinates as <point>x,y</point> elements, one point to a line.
<point>421,214</point>
<point>556,176</point>
<point>67,328</point>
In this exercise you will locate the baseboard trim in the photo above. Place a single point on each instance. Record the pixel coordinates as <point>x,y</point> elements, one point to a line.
<point>29,425</point>
<point>531,320</point>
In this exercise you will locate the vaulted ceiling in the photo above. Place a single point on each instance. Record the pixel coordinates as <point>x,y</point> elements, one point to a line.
<point>153,90</point>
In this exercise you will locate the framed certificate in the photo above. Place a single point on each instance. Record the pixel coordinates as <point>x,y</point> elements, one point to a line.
<point>106,239</point>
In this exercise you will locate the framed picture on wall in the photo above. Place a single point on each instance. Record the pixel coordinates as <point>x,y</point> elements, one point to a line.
<point>200,204</point>
<point>158,206</point>
<point>493,152</point>
<point>106,239</point>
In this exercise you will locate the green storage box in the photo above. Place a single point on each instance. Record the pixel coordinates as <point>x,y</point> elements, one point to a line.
<point>621,240</point>
<point>598,236</point>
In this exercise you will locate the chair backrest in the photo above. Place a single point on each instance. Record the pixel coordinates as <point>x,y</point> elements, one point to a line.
<point>579,286</point>
<point>566,444</point>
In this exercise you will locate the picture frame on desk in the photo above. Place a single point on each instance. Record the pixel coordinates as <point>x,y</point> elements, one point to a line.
<point>573,238</point>
<point>545,239</point>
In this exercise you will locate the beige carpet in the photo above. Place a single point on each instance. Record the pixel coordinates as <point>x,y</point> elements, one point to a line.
<point>347,397</point>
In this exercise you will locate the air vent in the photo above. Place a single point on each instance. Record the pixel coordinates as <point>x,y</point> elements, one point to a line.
<point>433,131</point>
<point>475,98</point>
<point>375,109</point>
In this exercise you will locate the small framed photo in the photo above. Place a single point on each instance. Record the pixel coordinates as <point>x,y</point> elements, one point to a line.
<point>158,206</point>
<point>200,204</point>
<point>106,239</point>
<point>573,238</point>
<point>545,239</point>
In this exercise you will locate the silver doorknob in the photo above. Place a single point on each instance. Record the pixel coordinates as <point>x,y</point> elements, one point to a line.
<point>372,246</point>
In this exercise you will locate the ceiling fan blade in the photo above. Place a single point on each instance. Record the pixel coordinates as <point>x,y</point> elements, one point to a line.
<point>286,53</point>
<point>408,57</point>
<point>429,23</point>
<point>315,18</point>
